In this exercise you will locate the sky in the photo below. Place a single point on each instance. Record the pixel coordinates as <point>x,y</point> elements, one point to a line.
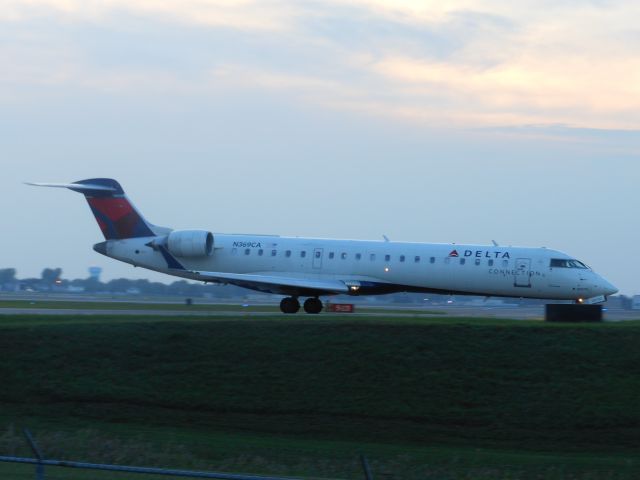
<point>459,121</point>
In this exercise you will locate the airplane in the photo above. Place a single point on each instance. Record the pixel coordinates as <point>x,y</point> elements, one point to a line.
<point>313,267</point>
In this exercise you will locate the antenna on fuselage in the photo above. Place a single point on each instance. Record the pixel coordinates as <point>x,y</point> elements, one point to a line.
<point>495,244</point>
<point>386,239</point>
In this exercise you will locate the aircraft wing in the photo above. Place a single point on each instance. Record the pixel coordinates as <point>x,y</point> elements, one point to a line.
<point>276,283</point>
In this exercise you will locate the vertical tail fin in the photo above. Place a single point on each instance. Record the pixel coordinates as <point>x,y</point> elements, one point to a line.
<point>115,214</point>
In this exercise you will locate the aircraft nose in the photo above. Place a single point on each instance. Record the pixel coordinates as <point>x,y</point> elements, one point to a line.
<point>607,288</point>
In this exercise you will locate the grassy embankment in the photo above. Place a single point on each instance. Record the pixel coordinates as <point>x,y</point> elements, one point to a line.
<point>436,398</point>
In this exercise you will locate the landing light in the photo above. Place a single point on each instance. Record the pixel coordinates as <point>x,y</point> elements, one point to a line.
<point>354,288</point>
<point>580,300</point>
<point>386,269</point>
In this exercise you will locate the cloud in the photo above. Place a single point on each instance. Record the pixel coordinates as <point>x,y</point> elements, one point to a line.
<point>238,14</point>
<point>459,63</point>
<point>569,90</point>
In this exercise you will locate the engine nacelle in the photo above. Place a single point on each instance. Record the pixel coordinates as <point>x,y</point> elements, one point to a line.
<point>190,243</point>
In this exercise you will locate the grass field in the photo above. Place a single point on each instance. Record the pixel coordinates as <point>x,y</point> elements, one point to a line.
<point>422,398</point>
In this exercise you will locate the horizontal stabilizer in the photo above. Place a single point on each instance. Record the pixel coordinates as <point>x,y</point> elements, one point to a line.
<point>78,187</point>
<point>115,214</point>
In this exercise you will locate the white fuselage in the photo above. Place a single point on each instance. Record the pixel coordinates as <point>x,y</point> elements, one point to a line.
<point>381,267</point>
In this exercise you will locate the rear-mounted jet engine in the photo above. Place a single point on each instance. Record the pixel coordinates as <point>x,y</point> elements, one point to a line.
<point>190,243</point>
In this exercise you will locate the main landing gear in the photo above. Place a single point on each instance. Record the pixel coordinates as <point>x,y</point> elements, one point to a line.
<point>312,305</point>
<point>292,305</point>
<point>289,305</point>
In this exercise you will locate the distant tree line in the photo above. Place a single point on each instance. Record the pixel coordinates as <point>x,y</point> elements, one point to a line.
<point>51,280</point>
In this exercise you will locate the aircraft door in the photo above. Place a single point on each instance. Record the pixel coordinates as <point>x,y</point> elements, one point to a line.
<point>523,270</point>
<point>318,253</point>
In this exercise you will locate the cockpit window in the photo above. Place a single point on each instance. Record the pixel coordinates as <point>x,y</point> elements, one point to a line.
<point>567,263</point>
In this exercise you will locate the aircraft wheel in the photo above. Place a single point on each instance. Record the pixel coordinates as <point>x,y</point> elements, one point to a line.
<point>312,305</point>
<point>289,305</point>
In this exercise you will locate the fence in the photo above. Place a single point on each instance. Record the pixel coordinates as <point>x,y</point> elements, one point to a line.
<point>40,463</point>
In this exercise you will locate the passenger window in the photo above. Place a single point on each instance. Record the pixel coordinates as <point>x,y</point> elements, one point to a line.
<point>247,251</point>
<point>358,256</point>
<point>372,257</point>
<point>287,253</point>
<point>343,256</point>
<point>303,253</point>
<point>274,253</point>
<point>505,263</point>
<point>260,252</point>
<point>318,253</point>
<point>432,260</point>
<point>463,261</point>
<point>234,251</point>
<point>491,263</point>
<point>417,259</point>
<point>477,261</point>
<point>447,260</point>
<point>402,258</point>
<point>387,258</point>
<point>331,255</point>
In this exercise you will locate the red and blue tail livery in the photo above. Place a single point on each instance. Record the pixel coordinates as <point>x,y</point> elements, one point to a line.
<point>117,217</point>
<point>115,214</point>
